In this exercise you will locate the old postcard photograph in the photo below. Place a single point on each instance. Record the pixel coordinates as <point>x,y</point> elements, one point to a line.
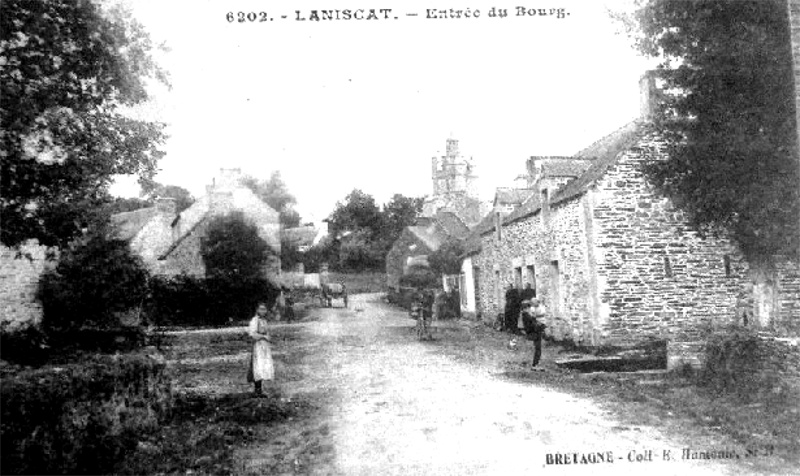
<point>403,238</point>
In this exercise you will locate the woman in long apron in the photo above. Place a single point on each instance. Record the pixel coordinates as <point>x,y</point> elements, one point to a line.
<point>261,366</point>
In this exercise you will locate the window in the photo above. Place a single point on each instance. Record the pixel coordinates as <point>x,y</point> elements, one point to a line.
<point>667,267</point>
<point>518,277</point>
<point>530,271</point>
<point>555,286</point>
<point>726,261</point>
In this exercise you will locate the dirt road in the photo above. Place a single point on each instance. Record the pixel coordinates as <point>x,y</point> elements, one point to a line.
<point>398,406</point>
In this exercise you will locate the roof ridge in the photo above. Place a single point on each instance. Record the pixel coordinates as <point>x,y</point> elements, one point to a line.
<point>183,237</point>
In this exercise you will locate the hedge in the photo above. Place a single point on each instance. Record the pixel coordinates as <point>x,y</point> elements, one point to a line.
<point>81,418</point>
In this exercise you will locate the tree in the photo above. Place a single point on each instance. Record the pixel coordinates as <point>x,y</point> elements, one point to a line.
<point>183,198</point>
<point>275,193</point>
<point>398,213</point>
<point>357,211</point>
<point>447,259</point>
<point>235,257</point>
<point>93,280</point>
<point>121,205</point>
<point>67,67</point>
<point>729,116</point>
<point>233,249</point>
<point>359,251</point>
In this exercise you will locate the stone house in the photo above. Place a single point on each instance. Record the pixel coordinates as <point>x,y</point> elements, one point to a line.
<point>169,242</point>
<point>420,240</point>
<point>615,262</point>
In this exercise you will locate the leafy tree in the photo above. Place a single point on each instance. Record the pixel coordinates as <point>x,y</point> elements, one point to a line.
<point>67,68</point>
<point>183,198</point>
<point>398,213</point>
<point>121,205</point>
<point>363,233</point>
<point>275,193</point>
<point>446,260</point>
<point>358,251</point>
<point>357,211</point>
<point>233,248</point>
<point>729,115</point>
<point>235,257</point>
<point>94,279</point>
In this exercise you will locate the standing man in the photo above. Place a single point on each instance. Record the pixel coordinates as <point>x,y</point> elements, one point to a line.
<point>532,318</point>
<point>513,307</point>
<point>528,292</point>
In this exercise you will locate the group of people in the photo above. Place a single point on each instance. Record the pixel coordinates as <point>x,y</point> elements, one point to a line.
<point>524,315</point>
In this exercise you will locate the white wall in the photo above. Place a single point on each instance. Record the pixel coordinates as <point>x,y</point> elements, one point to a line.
<point>468,307</point>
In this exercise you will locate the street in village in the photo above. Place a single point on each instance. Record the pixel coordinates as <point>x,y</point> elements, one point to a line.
<point>380,402</point>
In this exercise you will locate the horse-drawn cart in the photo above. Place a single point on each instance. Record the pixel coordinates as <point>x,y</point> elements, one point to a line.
<point>331,291</point>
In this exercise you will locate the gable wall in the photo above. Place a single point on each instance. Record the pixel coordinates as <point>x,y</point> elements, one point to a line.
<point>636,229</point>
<point>398,256</point>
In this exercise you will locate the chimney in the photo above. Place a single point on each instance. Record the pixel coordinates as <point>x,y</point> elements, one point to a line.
<point>166,206</point>
<point>229,178</point>
<point>534,166</point>
<point>649,95</point>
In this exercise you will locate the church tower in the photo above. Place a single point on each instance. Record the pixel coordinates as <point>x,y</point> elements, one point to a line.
<point>454,185</point>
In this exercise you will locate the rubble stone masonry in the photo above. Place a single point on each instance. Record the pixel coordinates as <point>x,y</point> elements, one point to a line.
<point>20,269</point>
<point>618,265</point>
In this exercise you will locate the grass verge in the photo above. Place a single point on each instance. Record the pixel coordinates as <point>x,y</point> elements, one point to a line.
<point>216,415</point>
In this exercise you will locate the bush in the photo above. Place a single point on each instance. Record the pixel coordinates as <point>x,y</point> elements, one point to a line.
<point>179,300</point>
<point>27,346</point>
<point>236,258</point>
<point>81,418</point>
<point>738,362</point>
<point>188,301</point>
<point>92,283</point>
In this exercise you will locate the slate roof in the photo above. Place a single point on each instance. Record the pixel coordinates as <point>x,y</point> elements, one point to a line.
<point>513,196</point>
<point>451,224</point>
<point>128,224</point>
<point>602,154</point>
<point>566,168</point>
<point>528,208</point>
<point>606,152</point>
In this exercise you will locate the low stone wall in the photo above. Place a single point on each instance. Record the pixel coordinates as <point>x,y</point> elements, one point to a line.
<point>20,269</point>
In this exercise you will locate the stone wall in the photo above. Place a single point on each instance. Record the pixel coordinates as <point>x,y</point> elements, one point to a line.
<point>186,257</point>
<point>657,277</point>
<point>20,269</point>
<point>618,264</point>
<point>555,245</point>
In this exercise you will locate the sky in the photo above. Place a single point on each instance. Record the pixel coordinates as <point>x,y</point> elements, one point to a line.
<point>338,105</point>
